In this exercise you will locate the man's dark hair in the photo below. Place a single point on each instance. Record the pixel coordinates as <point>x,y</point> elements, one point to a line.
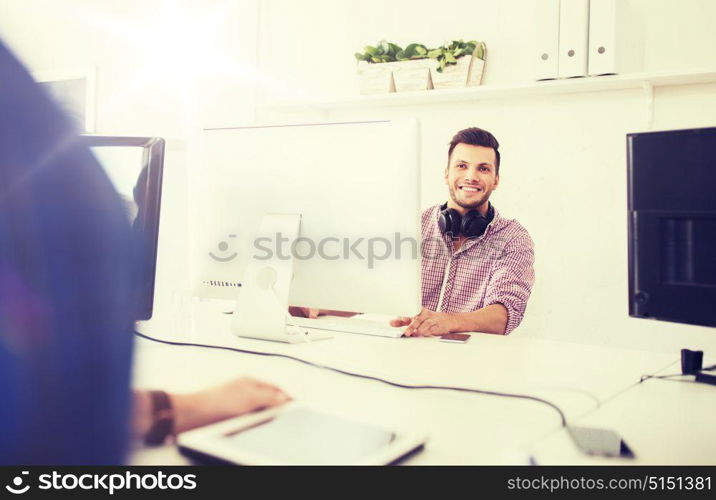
<point>477,137</point>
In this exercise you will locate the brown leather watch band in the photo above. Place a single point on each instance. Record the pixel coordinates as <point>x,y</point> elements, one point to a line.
<point>162,418</point>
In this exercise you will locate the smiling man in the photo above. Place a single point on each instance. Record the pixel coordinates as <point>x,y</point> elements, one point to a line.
<point>477,266</point>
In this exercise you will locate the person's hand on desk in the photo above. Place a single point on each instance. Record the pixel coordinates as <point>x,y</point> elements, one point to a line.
<point>232,399</point>
<point>304,312</point>
<point>427,323</point>
<point>211,405</point>
<point>313,313</point>
<point>490,319</point>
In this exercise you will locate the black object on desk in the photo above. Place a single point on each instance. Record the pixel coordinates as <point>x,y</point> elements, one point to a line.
<point>705,378</point>
<point>691,361</point>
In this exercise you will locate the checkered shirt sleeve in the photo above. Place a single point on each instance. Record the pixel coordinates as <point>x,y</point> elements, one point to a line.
<point>512,280</point>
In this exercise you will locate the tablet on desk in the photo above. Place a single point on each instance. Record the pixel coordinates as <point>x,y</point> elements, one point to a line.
<point>297,435</point>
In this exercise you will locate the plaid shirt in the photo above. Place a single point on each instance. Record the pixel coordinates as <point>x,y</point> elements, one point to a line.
<point>496,268</point>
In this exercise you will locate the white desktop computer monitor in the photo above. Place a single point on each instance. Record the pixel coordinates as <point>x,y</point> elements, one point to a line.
<point>355,188</point>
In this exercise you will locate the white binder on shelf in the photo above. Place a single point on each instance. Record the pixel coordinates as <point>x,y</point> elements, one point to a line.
<point>614,44</point>
<point>547,40</point>
<point>573,38</point>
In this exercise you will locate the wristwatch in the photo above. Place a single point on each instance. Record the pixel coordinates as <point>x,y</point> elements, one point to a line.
<point>162,418</point>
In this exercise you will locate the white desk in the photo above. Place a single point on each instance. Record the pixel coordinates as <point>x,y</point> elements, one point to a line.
<point>462,428</point>
<point>665,422</point>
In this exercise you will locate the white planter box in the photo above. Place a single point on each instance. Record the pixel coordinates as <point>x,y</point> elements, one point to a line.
<point>412,75</point>
<point>375,78</point>
<point>467,72</point>
<point>452,76</point>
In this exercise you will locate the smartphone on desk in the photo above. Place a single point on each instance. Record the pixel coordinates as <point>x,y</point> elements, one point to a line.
<point>603,442</point>
<point>456,338</point>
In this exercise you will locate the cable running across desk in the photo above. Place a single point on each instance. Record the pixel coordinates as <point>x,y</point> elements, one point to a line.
<point>670,377</point>
<point>360,375</point>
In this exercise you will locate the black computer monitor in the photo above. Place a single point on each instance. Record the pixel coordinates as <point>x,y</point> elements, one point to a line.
<point>672,225</point>
<point>135,166</point>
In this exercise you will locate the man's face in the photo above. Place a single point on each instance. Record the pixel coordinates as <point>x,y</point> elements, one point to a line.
<point>471,177</point>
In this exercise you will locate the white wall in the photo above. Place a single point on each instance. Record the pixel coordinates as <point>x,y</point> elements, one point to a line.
<point>309,44</point>
<point>163,68</point>
<point>563,172</point>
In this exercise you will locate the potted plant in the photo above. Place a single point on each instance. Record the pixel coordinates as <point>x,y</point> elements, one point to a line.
<point>375,74</point>
<point>412,71</point>
<point>458,64</point>
<point>387,67</point>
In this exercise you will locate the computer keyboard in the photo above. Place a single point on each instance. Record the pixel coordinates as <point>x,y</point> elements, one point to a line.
<point>350,325</point>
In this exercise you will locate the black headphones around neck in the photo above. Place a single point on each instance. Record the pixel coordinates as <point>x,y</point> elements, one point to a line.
<point>472,225</point>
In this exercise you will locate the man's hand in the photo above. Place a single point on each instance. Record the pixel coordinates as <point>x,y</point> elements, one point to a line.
<point>427,323</point>
<point>313,313</point>
<point>304,312</point>
<point>235,398</point>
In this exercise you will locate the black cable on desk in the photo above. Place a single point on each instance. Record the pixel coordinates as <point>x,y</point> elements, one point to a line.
<point>647,377</point>
<point>359,375</point>
<point>670,377</point>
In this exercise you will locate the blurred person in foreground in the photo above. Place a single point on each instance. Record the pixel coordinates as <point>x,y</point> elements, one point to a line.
<point>68,270</point>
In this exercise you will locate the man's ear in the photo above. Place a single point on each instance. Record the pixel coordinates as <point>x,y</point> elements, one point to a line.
<point>497,181</point>
<point>445,176</point>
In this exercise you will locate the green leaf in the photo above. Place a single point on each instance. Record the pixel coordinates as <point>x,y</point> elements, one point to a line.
<point>449,58</point>
<point>416,51</point>
<point>370,50</point>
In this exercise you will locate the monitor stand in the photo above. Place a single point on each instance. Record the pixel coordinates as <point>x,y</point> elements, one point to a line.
<point>262,305</point>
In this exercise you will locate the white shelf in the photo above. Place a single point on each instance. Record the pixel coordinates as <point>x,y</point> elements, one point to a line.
<point>529,89</point>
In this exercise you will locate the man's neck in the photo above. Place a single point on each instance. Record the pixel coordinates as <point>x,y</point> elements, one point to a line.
<point>483,208</point>
<point>457,243</point>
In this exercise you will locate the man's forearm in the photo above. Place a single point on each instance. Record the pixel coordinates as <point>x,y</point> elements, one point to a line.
<point>490,319</point>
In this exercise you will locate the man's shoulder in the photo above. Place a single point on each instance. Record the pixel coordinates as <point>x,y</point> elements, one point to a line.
<point>428,216</point>
<point>429,212</point>
<point>513,233</point>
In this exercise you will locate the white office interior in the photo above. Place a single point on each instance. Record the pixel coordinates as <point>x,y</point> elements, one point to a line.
<point>175,69</point>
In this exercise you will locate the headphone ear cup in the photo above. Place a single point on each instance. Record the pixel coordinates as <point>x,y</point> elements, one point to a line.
<point>450,221</point>
<point>474,224</point>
